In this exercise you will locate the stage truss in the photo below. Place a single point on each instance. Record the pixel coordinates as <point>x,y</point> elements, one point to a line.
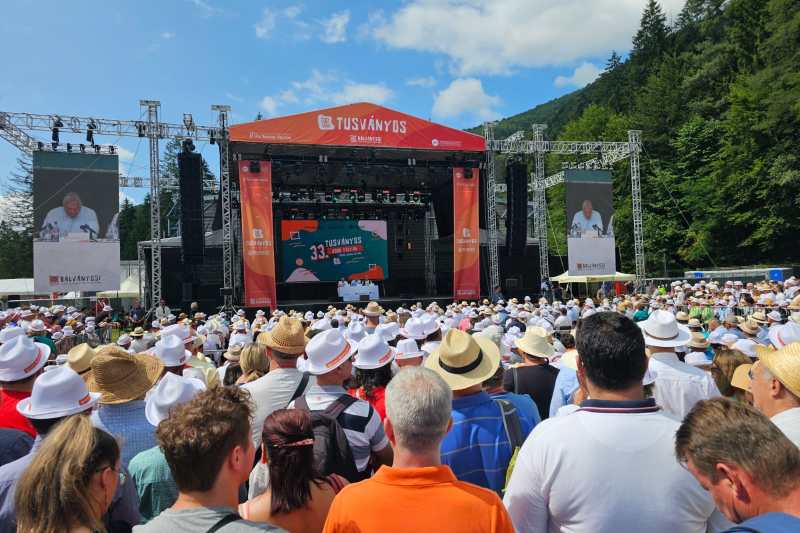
<point>607,153</point>
<point>14,127</point>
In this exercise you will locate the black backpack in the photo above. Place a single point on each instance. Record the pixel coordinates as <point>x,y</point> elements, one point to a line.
<point>332,453</point>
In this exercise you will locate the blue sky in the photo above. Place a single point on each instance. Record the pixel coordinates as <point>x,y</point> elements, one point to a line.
<point>457,62</point>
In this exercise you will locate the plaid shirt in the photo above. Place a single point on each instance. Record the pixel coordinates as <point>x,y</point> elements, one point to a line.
<point>126,421</point>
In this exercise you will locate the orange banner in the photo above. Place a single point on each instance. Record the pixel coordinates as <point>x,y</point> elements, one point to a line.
<point>258,243</point>
<point>466,235</point>
<point>360,124</point>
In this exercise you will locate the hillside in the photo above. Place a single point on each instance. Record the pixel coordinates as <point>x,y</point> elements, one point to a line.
<point>717,98</point>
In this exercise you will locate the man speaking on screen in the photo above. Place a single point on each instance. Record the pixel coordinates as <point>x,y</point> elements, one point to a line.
<point>587,220</point>
<point>71,217</point>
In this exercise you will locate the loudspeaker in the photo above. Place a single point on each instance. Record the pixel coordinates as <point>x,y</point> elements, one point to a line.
<point>190,183</point>
<point>516,207</point>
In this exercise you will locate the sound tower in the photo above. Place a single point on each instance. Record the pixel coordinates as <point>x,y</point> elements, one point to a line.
<point>516,207</point>
<point>190,183</point>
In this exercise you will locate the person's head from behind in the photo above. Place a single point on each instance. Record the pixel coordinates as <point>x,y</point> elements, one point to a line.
<point>72,204</point>
<point>745,462</point>
<point>586,207</point>
<point>611,354</point>
<point>288,448</point>
<point>71,480</point>
<point>254,362</point>
<point>567,340</point>
<point>418,407</point>
<point>206,441</point>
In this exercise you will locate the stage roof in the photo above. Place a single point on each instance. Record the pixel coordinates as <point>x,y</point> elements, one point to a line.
<point>361,125</point>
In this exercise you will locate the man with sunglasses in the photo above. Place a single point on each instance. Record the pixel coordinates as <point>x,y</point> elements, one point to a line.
<point>775,385</point>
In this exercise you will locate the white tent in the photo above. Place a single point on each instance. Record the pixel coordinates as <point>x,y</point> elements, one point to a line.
<point>617,276</point>
<point>128,288</point>
<point>18,286</point>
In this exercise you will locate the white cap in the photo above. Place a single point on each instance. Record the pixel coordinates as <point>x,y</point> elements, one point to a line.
<point>57,393</point>
<point>21,357</point>
<point>171,391</point>
<point>327,351</point>
<point>171,351</point>
<point>36,325</point>
<point>373,352</point>
<point>107,309</point>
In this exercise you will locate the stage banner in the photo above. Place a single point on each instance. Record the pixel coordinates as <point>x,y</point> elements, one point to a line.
<point>590,215</point>
<point>334,250</point>
<point>466,235</point>
<point>75,210</point>
<point>258,244</point>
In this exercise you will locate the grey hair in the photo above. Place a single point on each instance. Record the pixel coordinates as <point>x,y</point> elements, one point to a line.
<point>71,196</point>
<point>418,404</point>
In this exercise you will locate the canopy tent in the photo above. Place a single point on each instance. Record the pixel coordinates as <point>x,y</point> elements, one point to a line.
<point>18,286</point>
<point>128,288</point>
<point>617,276</point>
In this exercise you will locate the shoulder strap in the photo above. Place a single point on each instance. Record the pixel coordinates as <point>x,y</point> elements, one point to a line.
<point>511,423</point>
<point>224,521</point>
<point>339,405</point>
<point>301,403</point>
<point>301,387</point>
<point>516,385</point>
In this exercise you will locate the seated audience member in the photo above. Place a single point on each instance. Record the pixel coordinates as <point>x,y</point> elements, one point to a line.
<point>71,480</point>
<point>210,453</point>
<point>297,499</point>
<point>614,439</point>
<point>149,469</point>
<point>750,468</point>
<point>417,493</point>
<point>478,448</point>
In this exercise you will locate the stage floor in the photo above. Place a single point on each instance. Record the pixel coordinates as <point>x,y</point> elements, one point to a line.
<point>386,303</point>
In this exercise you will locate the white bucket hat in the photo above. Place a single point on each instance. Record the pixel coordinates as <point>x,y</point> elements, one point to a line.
<point>171,391</point>
<point>57,393</point>
<point>414,329</point>
<point>373,352</point>
<point>662,330</point>
<point>124,340</point>
<point>171,351</point>
<point>429,324</point>
<point>788,333</point>
<point>21,357</point>
<point>746,346</point>
<point>389,330</point>
<point>408,349</point>
<point>327,351</point>
<point>355,332</point>
<point>9,333</point>
<point>696,359</point>
<point>36,326</point>
<point>177,330</point>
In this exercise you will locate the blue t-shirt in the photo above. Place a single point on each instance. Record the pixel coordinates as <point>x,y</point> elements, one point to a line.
<point>768,523</point>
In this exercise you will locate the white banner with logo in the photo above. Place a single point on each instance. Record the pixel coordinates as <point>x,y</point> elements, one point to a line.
<point>591,256</point>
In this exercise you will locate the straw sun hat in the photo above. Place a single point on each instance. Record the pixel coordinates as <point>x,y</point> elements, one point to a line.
<point>784,364</point>
<point>463,360</point>
<point>534,342</point>
<point>121,377</point>
<point>286,337</point>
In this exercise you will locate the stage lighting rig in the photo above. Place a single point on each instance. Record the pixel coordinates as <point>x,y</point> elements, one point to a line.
<point>353,195</point>
<point>212,139</point>
<point>141,128</point>
<point>328,196</point>
<point>362,196</point>
<point>96,148</point>
<point>90,127</point>
<point>40,145</point>
<point>82,148</point>
<point>111,149</point>
<point>293,196</point>
<point>57,125</point>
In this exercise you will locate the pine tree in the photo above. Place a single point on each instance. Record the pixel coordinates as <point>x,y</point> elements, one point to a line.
<point>613,62</point>
<point>650,40</point>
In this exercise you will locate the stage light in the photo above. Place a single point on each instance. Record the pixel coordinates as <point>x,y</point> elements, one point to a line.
<point>141,128</point>
<point>96,148</point>
<point>211,137</point>
<point>323,158</point>
<point>40,144</point>
<point>111,149</point>
<point>353,195</point>
<point>82,147</point>
<point>54,146</point>
<point>379,197</point>
<point>392,197</point>
<point>362,196</point>
<point>328,196</point>
<point>90,127</point>
<point>293,196</point>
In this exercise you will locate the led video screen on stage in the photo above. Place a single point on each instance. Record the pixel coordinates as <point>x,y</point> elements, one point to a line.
<point>590,222</point>
<point>75,206</point>
<point>332,250</point>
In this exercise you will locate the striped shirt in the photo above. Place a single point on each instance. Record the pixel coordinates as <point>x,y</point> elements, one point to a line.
<point>361,423</point>
<point>477,447</point>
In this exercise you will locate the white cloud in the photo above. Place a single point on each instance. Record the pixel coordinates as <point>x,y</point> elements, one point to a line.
<point>375,19</point>
<point>292,11</point>
<point>465,96</point>
<point>231,96</point>
<point>166,35</point>
<point>495,36</point>
<point>269,105</point>
<point>335,28</point>
<point>205,8</point>
<point>123,197</point>
<point>425,82</point>
<point>267,23</point>
<point>288,96</point>
<point>351,92</point>
<point>583,75</point>
<point>124,154</point>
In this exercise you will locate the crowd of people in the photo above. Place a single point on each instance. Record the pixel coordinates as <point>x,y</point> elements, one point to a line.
<point>673,411</point>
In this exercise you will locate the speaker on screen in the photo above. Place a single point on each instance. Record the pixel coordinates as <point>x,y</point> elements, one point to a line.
<point>517,207</point>
<point>190,182</point>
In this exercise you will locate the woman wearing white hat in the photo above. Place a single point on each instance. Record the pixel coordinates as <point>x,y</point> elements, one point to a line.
<point>373,366</point>
<point>535,377</point>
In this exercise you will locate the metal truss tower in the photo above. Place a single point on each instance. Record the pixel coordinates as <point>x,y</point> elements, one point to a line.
<point>540,202</point>
<point>153,133</point>
<point>225,189</point>
<point>635,142</point>
<point>491,209</point>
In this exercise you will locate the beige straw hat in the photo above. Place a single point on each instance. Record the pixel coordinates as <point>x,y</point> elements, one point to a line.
<point>286,337</point>
<point>749,326</point>
<point>535,343</point>
<point>373,309</point>
<point>698,340</point>
<point>784,365</point>
<point>121,377</point>
<point>80,358</point>
<point>741,376</point>
<point>463,360</point>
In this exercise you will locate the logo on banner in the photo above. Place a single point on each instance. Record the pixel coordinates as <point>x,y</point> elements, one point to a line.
<point>325,122</point>
<point>466,233</point>
<point>435,142</point>
<point>258,233</point>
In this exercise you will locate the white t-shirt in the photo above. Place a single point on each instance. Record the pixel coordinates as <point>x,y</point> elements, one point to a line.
<point>679,386</point>
<point>585,224</point>
<point>272,392</point>
<point>789,423</point>
<point>605,471</point>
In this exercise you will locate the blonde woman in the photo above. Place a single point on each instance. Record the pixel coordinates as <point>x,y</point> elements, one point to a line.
<point>254,363</point>
<point>70,482</point>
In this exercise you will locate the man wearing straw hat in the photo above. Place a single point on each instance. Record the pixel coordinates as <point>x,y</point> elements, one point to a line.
<point>478,448</point>
<point>775,384</point>
<point>678,386</point>
<point>373,312</point>
<point>535,377</point>
<point>608,466</point>
<point>284,382</point>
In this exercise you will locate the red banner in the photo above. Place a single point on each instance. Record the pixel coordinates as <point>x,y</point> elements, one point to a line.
<point>466,235</point>
<point>359,124</point>
<point>258,243</point>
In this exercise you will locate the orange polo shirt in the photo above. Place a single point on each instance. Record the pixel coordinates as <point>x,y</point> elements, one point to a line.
<point>416,499</point>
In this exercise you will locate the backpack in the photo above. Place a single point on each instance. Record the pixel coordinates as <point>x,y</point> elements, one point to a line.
<point>513,431</point>
<point>332,452</point>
